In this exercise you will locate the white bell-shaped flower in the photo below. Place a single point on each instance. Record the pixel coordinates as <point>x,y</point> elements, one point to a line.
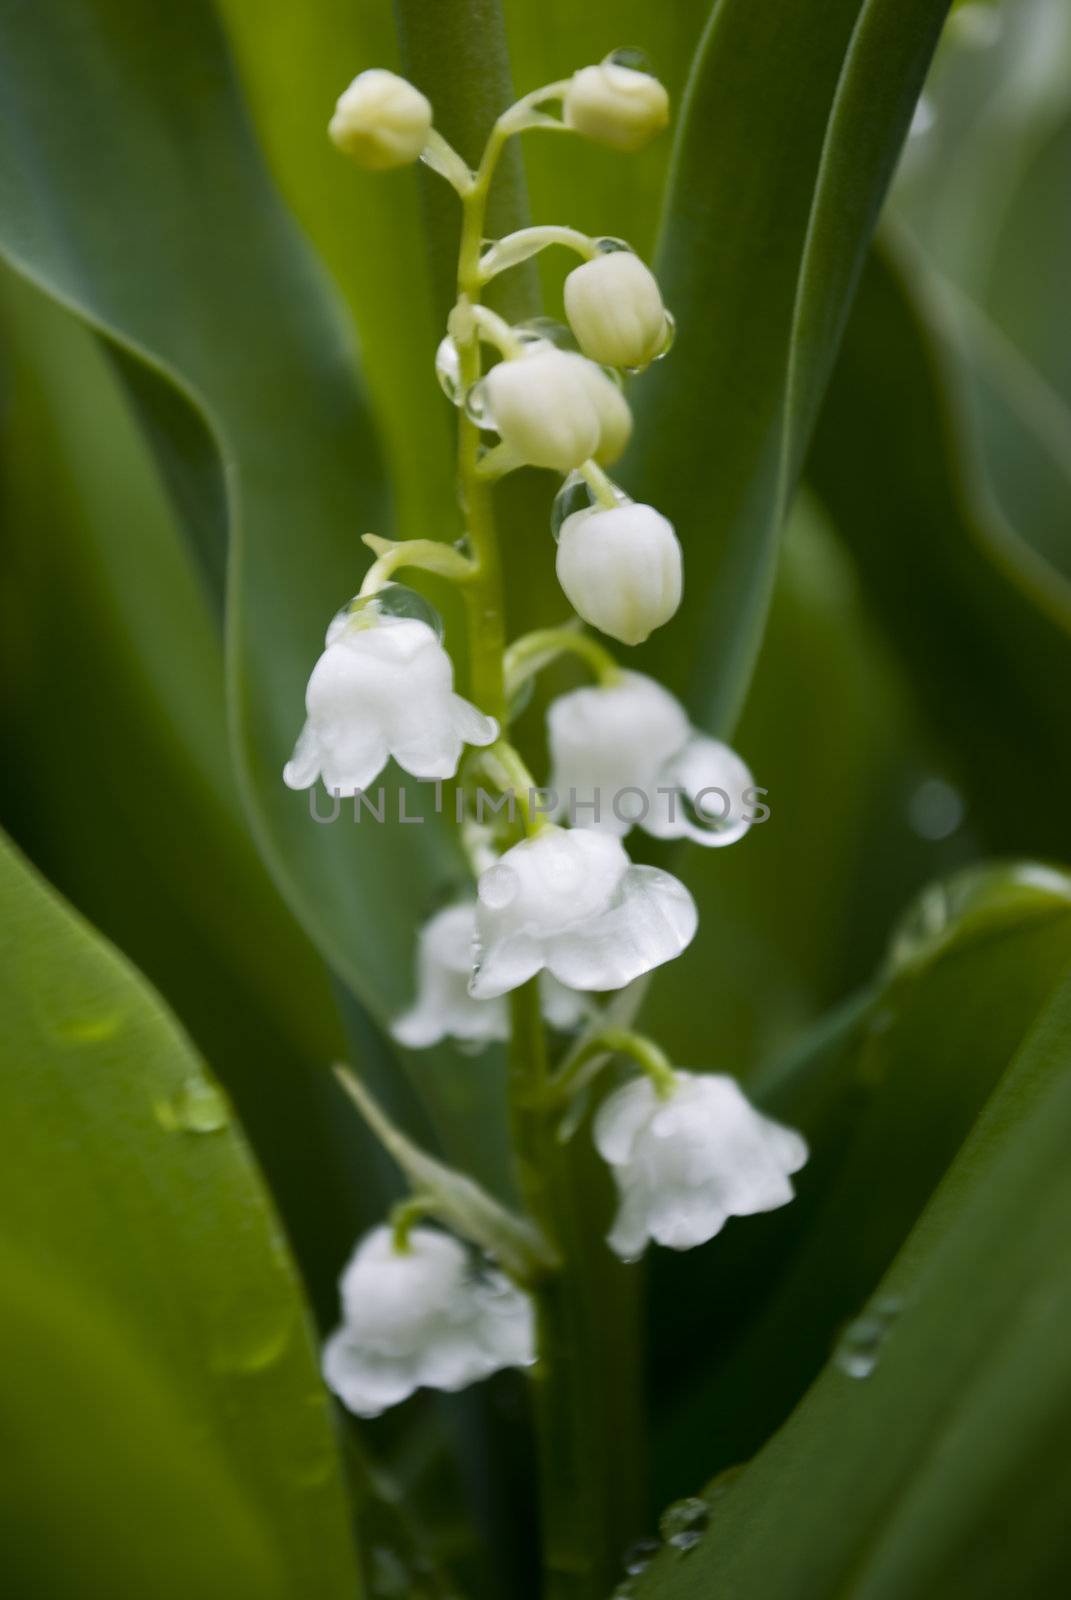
<point>444,1008</point>
<point>383,687</point>
<point>553,408</point>
<point>421,1318</point>
<point>624,754</point>
<point>616,105</point>
<point>381,121</point>
<point>572,903</point>
<point>687,1163</point>
<point>614,307</point>
<point>621,569</point>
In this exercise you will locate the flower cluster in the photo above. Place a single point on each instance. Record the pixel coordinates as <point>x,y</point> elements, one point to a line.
<point>562,905</point>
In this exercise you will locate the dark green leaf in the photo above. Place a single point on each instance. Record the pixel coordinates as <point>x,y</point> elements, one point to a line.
<point>165,1428</point>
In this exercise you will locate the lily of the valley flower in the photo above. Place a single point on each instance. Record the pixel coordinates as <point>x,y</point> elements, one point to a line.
<point>572,903</point>
<point>383,687</point>
<point>609,741</point>
<point>554,408</point>
<point>420,1317</point>
<point>381,121</point>
<point>685,1164</point>
<point>620,569</point>
<point>444,1008</point>
<point>614,307</point>
<point>616,105</point>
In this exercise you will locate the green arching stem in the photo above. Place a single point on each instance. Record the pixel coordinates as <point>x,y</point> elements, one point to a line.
<point>514,248</point>
<point>533,651</point>
<point>509,774</point>
<point>612,1042</point>
<point>405,1215</point>
<point>429,555</point>
<point>601,485</point>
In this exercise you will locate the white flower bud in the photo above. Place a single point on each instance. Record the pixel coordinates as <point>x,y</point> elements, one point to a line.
<point>615,309</point>
<point>615,418</point>
<point>621,569</point>
<point>421,1318</point>
<point>686,1164</point>
<point>616,105</point>
<point>381,121</point>
<point>545,408</point>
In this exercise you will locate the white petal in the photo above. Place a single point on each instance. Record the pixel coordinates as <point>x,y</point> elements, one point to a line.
<point>620,1118</point>
<point>470,724</point>
<point>710,781</point>
<point>606,739</point>
<point>366,1384</point>
<point>504,964</point>
<point>653,920</point>
<point>303,768</point>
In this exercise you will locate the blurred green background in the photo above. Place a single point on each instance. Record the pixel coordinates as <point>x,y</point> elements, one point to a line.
<point>217,373</point>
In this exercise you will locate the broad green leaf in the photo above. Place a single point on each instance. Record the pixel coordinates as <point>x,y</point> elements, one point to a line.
<point>213,293</point>
<point>928,1459</point>
<point>116,674</point>
<point>981,630</point>
<point>165,1428</point>
<point>791,123</point>
<point>886,1090</point>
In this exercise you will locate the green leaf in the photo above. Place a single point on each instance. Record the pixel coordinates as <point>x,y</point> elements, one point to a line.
<point>119,676</point>
<point>928,1459</point>
<point>886,1090</point>
<point>215,296</point>
<point>166,1430</point>
<point>977,625</point>
<point>792,122</point>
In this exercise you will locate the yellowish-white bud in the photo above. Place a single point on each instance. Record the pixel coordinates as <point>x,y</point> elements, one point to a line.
<point>616,105</point>
<point>381,121</point>
<point>547,407</point>
<point>620,569</point>
<point>615,309</point>
<point>615,418</point>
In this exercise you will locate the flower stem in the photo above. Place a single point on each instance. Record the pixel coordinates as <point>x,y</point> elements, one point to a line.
<point>583,1419</point>
<point>533,651</point>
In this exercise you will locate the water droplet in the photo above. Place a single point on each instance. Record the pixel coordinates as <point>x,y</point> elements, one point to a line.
<point>478,406</point>
<point>684,1523</point>
<point>574,495</point>
<point>935,809</point>
<point>545,330</point>
<point>608,246</point>
<point>254,1342</point>
<point>638,1557</point>
<point>389,1574</point>
<point>89,1030</point>
<point>668,337</point>
<point>631,56</point>
<point>859,1346</point>
<point>395,600</point>
<point>198,1107</point>
<point>448,371</point>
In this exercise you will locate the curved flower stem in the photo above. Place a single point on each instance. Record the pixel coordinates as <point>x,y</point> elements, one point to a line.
<point>426,554</point>
<point>533,651</point>
<point>585,1466</point>
<point>405,1215</point>
<point>606,1043</point>
<point>510,776</point>
<point>513,248</point>
<point>601,485</point>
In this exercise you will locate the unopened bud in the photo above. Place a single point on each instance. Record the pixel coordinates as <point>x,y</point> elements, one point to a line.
<point>615,309</point>
<point>546,408</point>
<point>381,121</point>
<point>616,105</point>
<point>621,569</point>
<point>615,418</point>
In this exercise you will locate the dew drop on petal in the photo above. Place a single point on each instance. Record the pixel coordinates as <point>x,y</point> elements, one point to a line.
<point>545,330</point>
<point>632,57</point>
<point>399,601</point>
<point>608,246</point>
<point>669,336</point>
<point>448,371</point>
<point>574,495</point>
<point>477,403</point>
